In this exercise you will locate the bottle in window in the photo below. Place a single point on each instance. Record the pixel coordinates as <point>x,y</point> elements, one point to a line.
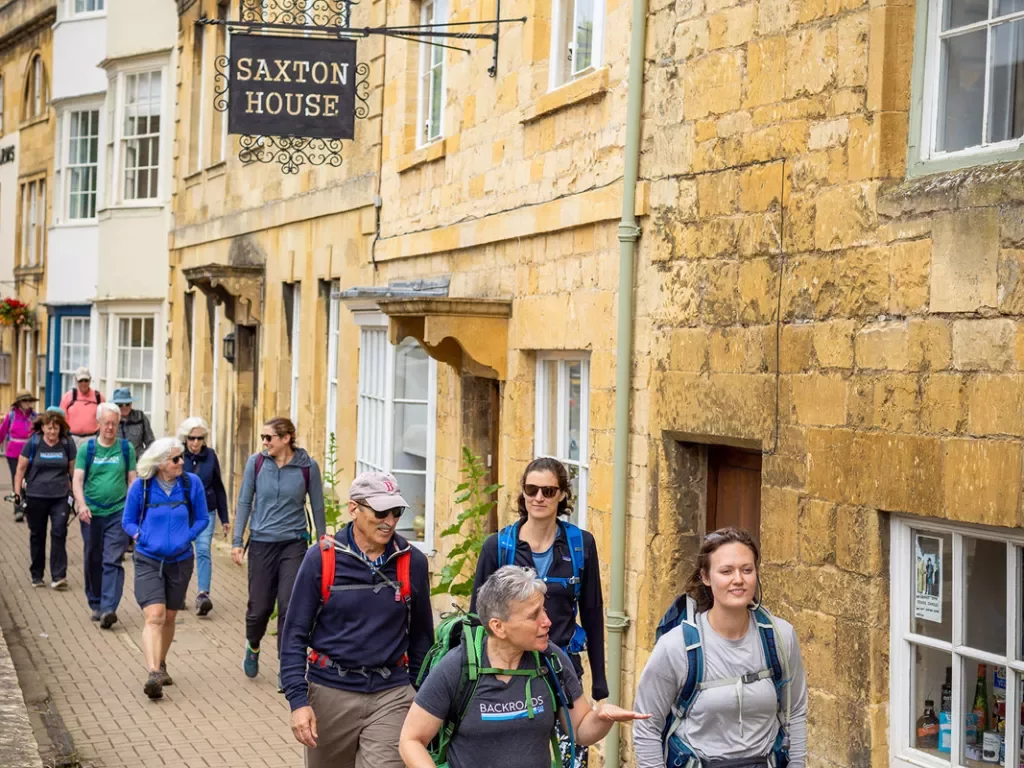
<point>928,727</point>
<point>981,699</point>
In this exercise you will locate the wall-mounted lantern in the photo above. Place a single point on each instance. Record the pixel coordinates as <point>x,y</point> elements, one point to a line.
<point>229,347</point>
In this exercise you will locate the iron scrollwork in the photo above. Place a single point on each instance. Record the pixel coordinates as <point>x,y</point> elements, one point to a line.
<point>326,14</point>
<point>290,152</point>
<point>221,64</point>
<point>362,89</point>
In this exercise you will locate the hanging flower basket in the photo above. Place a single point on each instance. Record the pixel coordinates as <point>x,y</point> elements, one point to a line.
<point>15,313</point>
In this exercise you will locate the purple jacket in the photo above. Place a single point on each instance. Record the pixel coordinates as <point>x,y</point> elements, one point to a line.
<point>16,429</point>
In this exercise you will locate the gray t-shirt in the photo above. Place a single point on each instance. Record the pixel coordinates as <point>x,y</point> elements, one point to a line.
<point>728,722</point>
<point>47,477</point>
<point>497,730</point>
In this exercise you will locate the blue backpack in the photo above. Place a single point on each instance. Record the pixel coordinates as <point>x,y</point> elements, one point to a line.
<point>508,540</point>
<point>90,457</point>
<point>679,754</point>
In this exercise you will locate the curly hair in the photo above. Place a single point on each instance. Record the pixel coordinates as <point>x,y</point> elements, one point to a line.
<point>695,586</point>
<point>51,417</point>
<point>555,467</point>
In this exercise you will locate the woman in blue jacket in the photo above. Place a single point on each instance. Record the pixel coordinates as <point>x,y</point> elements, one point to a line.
<point>164,513</point>
<point>201,460</point>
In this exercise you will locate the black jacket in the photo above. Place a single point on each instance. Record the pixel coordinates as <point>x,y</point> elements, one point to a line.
<point>558,602</point>
<point>206,465</point>
<point>136,430</point>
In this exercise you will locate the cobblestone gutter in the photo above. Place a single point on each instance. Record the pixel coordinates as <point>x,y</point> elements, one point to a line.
<point>18,748</point>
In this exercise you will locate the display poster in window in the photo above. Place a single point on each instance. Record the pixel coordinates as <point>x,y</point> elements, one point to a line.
<point>928,578</point>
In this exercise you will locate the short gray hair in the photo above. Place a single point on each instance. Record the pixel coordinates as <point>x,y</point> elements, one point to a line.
<point>157,453</point>
<point>186,427</point>
<point>509,584</point>
<point>103,408</point>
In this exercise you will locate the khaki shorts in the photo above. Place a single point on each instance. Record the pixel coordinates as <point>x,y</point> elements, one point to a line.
<point>357,730</point>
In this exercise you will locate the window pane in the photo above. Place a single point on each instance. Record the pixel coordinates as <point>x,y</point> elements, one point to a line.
<point>583,42</point>
<point>1004,7</point>
<point>575,387</point>
<point>414,491</point>
<point>549,447</point>
<point>929,678</point>
<point>985,598</point>
<point>961,97</point>
<point>411,371</point>
<point>960,13</point>
<point>1006,99</point>
<point>982,684</point>
<point>410,437</point>
<point>932,597</point>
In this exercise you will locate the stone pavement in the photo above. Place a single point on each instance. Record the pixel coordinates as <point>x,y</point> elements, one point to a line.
<point>18,748</point>
<point>212,717</point>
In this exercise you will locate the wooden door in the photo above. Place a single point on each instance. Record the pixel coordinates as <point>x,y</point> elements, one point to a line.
<point>734,489</point>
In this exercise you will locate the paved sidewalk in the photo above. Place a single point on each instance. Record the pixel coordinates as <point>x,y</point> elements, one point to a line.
<point>212,717</point>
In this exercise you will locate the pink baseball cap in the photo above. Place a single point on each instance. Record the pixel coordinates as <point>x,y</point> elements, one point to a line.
<point>377,490</point>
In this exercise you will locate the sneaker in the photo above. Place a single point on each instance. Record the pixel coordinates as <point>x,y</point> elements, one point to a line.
<point>203,604</point>
<point>251,665</point>
<point>95,615</point>
<point>19,516</point>
<point>280,685</point>
<point>59,584</point>
<point>108,619</point>
<point>38,582</point>
<point>165,679</point>
<point>153,687</point>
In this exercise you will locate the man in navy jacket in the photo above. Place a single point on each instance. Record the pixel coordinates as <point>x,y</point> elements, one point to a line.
<point>347,663</point>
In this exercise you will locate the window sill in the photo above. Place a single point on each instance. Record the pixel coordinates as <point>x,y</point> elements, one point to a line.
<point>428,154</point>
<point>591,86</point>
<point>993,183</point>
<point>217,169</point>
<point>75,223</point>
<point>33,271</point>
<point>135,205</point>
<point>963,161</point>
<point>34,121</point>
<point>193,178</point>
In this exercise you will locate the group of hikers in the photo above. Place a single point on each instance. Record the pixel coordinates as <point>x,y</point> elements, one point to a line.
<point>368,678</point>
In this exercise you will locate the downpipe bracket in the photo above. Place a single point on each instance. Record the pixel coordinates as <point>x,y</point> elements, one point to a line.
<point>628,233</point>
<point>616,622</point>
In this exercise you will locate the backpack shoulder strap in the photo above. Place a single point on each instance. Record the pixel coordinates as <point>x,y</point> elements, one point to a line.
<point>508,539</point>
<point>146,487</point>
<point>124,456</point>
<point>260,458</point>
<point>99,397</point>
<point>90,456</point>
<point>694,642</point>
<point>328,565</point>
<point>776,658</point>
<point>186,484</point>
<point>574,537</point>
<point>404,575</point>
<point>305,476</point>
<point>74,396</point>
<point>33,442</point>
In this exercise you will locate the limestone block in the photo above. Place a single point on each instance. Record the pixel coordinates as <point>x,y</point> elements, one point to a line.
<point>930,345</point>
<point>891,54</point>
<point>784,471</point>
<point>811,60</point>
<point>819,399</point>
<point>795,351</point>
<point>775,16</point>
<point>845,217</point>
<point>984,345</point>
<point>712,84</point>
<point>910,266</point>
<point>896,404</point>
<point>780,525</point>
<point>727,405</point>
<point>995,405</point>
<point>670,148</point>
<point>860,540</point>
<point>1011,281</point>
<point>758,234</point>
<point>855,284</point>
<point>817,634</point>
<point>760,187</point>
<point>982,481</point>
<point>964,272</point>
<point>942,403</point>
<point>758,286</point>
<point>833,344</point>
<point>736,350</point>
<point>690,39</point>
<point>831,133</point>
<point>883,347</point>
<point>817,532</point>
<point>717,193</point>
<point>732,27</point>
<point>721,296</point>
<point>853,50</point>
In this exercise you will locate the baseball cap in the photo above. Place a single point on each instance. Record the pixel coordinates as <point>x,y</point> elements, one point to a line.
<point>82,374</point>
<point>377,490</point>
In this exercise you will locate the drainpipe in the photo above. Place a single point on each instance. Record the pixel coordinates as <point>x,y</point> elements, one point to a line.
<point>629,233</point>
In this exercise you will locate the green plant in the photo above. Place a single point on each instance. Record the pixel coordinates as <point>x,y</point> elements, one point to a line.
<point>334,507</point>
<point>470,527</point>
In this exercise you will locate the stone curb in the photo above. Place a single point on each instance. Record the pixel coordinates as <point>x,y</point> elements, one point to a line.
<point>18,748</point>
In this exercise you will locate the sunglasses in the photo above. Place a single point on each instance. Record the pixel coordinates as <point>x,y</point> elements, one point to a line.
<point>396,512</point>
<point>192,439</point>
<point>549,491</point>
<point>177,459</point>
<point>267,438</point>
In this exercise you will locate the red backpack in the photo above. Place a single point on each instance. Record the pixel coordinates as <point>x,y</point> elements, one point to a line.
<point>328,563</point>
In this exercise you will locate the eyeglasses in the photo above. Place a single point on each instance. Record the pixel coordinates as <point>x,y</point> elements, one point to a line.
<point>177,459</point>
<point>395,512</point>
<point>549,491</point>
<point>193,438</point>
<point>267,438</point>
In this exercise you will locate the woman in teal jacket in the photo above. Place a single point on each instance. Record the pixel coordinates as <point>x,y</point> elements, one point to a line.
<point>164,514</point>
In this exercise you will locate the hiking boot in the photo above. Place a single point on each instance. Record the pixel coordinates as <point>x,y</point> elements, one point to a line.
<point>59,584</point>
<point>165,679</point>
<point>19,515</point>
<point>153,687</point>
<point>251,665</point>
<point>108,619</point>
<point>38,582</point>
<point>95,615</point>
<point>203,604</point>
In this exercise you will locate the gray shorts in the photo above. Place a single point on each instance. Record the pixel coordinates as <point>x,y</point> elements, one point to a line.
<point>159,583</point>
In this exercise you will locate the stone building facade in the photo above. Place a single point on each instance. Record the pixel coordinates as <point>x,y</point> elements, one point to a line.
<point>827,340</point>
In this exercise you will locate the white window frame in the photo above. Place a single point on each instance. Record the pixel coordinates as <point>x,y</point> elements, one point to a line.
<point>375,431</point>
<point>67,371</point>
<point>27,360</point>
<point>933,85</point>
<point>66,169</point>
<point>542,411</point>
<point>296,350</point>
<point>76,9</point>
<point>217,347</point>
<point>333,339</point>
<point>33,222</point>
<point>562,67</point>
<point>125,139</point>
<point>198,121</point>
<point>117,348</point>
<point>902,638</point>
<point>431,12</point>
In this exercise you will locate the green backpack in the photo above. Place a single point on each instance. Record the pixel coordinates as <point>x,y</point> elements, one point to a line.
<point>465,632</point>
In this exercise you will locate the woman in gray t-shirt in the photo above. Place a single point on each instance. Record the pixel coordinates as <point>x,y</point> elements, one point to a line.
<point>735,719</point>
<point>508,723</point>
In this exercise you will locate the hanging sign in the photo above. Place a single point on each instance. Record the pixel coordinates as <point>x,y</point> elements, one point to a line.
<point>292,86</point>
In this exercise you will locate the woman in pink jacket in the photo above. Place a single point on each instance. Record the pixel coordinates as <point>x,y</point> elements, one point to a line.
<point>15,430</point>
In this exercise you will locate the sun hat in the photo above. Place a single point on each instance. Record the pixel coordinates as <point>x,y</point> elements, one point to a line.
<point>122,396</point>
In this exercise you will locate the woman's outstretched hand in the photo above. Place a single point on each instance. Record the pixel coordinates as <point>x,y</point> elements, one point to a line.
<point>613,714</point>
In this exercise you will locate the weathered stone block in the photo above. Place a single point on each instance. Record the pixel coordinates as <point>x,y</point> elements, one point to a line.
<point>852,71</point>
<point>721,296</point>
<point>930,345</point>
<point>758,234</point>
<point>735,350</point>
<point>883,347</point>
<point>819,399</point>
<point>1011,282</point>
<point>909,266</point>
<point>717,193</point>
<point>896,404</point>
<point>780,525</point>
<point>965,260</point>
<point>758,287</point>
<point>983,345</point>
<point>691,39</point>
<point>817,634</point>
<point>942,403</point>
<point>766,70</point>
<point>725,405</point>
<point>860,540</point>
<point>811,59</point>
<point>795,351</point>
<point>760,187</point>
<point>831,133</point>
<point>844,217</point>
<point>833,344</point>
<point>995,405</point>
<point>891,56</point>
<point>982,482</point>
<point>712,84</point>
<point>732,27</point>
<point>688,350</point>
<point>817,532</point>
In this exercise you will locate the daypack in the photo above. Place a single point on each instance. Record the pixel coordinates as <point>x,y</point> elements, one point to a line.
<point>90,457</point>
<point>508,539</point>
<point>186,483</point>
<point>260,459</point>
<point>679,754</point>
<point>74,397</point>
<point>465,632</point>
<point>34,441</point>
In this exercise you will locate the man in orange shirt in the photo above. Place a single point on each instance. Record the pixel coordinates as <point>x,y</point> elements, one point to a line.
<point>80,406</point>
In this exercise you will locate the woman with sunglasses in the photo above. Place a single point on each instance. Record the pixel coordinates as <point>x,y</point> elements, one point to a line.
<point>565,559</point>
<point>201,460</point>
<point>272,503</point>
<point>164,513</point>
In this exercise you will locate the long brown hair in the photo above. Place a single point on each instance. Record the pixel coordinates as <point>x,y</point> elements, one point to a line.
<point>282,427</point>
<point>695,586</point>
<point>555,467</point>
<point>51,417</point>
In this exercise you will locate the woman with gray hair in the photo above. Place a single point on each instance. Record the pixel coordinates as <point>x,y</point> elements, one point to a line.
<point>507,722</point>
<point>164,513</point>
<point>200,460</point>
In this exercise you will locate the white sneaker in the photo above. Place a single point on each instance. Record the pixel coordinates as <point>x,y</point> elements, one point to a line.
<point>59,584</point>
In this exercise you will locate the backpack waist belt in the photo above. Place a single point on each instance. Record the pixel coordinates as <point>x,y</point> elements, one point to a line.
<point>321,660</point>
<point>93,504</point>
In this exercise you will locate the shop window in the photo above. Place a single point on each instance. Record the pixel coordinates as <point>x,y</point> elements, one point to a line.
<point>957,657</point>
<point>135,357</point>
<point>37,96</point>
<point>562,428</point>
<point>140,142</point>
<point>74,349</point>
<point>431,79</point>
<point>396,422</point>
<point>577,31</point>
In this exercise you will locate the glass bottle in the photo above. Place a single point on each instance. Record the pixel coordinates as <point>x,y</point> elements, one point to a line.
<point>981,699</point>
<point>928,727</point>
